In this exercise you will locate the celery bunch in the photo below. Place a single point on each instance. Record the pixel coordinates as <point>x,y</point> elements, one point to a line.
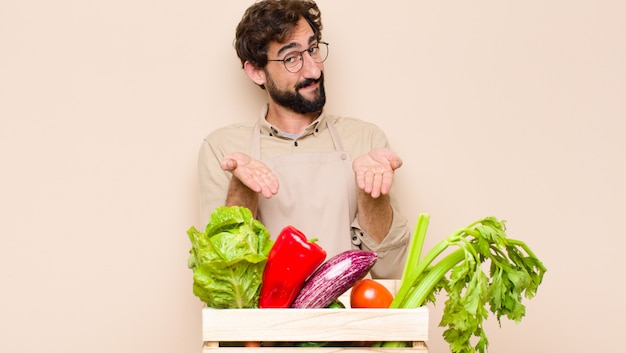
<point>514,272</point>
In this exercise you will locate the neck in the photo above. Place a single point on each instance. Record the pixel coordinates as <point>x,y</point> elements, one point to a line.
<point>287,120</point>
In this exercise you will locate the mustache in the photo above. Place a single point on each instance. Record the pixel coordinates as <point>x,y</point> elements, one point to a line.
<point>309,81</point>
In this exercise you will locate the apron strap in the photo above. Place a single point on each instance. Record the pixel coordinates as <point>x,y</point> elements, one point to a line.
<point>347,165</point>
<point>334,136</point>
<point>255,148</point>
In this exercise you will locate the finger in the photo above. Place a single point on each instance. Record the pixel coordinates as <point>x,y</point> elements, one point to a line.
<point>396,163</point>
<point>387,181</point>
<point>368,182</point>
<point>360,179</point>
<point>269,184</point>
<point>228,164</point>
<point>377,182</point>
<point>392,158</point>
<point>266,193</point>
<point>273,183</point>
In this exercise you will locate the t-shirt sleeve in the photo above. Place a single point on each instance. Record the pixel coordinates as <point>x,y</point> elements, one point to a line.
<point>212,180</point>
<point>391,251</point>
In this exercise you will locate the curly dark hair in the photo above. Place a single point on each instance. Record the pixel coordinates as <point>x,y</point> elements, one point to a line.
<point>272,21</point>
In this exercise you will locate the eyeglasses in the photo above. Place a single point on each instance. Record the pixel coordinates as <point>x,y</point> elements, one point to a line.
<point>294,61</point>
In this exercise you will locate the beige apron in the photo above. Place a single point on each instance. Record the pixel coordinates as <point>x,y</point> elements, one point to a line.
<point>316,194</point>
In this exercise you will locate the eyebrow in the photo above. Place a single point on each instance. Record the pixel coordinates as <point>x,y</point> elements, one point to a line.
<point>291,45</point>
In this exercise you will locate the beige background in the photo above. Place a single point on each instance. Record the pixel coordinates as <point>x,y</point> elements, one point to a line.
<point>513,109</point>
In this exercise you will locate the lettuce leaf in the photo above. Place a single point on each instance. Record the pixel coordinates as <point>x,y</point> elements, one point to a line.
<point>228,258</point>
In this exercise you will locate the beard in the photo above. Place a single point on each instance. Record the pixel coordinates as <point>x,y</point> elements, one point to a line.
<point>294,100</point>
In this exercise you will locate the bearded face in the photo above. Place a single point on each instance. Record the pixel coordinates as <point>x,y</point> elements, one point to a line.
<point>293,100</point>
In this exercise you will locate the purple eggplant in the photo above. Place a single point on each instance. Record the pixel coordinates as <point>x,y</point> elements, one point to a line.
<point>333,278</point>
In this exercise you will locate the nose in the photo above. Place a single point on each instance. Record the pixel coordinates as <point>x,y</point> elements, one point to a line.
<point>311,69</point>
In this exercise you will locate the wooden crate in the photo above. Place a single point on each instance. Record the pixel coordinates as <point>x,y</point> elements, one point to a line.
<point>221,327</point>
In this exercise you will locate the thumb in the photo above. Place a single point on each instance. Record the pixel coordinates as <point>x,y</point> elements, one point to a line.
<point>229,164</point>
<point>396,163</point>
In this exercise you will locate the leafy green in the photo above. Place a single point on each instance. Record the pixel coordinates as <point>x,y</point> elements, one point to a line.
<point>228,259</point>
<point>515,272</point>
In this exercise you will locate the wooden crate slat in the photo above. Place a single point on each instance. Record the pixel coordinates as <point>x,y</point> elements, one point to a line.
<point>418,347</point>
<point>315,324</point>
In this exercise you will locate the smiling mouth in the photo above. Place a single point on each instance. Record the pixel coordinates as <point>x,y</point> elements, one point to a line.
<point>306,83</point>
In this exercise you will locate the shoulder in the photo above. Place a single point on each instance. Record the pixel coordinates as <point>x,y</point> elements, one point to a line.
<point>349,121</point>
<point>359,136</point>
<point>355,126</point>
<point>230,132</point>
<point>230,138</point>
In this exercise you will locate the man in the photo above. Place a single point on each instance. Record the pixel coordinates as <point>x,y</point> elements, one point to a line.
<point>328,176</point>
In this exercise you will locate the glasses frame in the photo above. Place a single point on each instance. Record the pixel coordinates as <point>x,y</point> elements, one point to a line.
<point>301,55</point>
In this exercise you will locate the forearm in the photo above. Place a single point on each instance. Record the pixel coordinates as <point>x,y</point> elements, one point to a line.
<point>375,215</point>
<point>240,195</point>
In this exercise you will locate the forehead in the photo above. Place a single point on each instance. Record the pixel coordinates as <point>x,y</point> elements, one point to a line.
<point>301,37</point>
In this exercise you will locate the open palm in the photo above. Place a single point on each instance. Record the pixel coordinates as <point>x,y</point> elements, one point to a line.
<point>374,171</point>
<point>252,173</point>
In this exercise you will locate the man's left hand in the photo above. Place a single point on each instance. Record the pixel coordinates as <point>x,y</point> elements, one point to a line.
<point>374,171</point>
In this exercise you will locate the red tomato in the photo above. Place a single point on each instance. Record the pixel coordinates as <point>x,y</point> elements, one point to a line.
<point>368,293</point>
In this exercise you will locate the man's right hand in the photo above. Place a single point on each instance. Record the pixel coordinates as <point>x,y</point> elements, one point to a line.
<point>251,172</point>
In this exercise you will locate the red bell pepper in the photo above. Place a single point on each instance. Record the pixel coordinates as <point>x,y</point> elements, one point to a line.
<point>290,262</point>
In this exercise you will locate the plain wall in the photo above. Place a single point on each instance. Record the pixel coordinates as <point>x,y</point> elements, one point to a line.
<point>512,109</point>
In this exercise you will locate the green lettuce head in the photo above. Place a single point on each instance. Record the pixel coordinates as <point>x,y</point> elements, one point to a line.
<point>228,259</point>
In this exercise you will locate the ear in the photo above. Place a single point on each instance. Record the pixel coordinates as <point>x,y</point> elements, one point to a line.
<point>256,75</point>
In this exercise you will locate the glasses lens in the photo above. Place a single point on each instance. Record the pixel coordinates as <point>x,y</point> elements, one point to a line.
<point>321,53</point>
<point>293,61</point>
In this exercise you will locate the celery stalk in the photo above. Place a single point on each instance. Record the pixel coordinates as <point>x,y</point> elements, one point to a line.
<point>431,279</point>
<point>411,270</point>
<point>416,244</point>
<point>408,284</point>
<point>515,272</point>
